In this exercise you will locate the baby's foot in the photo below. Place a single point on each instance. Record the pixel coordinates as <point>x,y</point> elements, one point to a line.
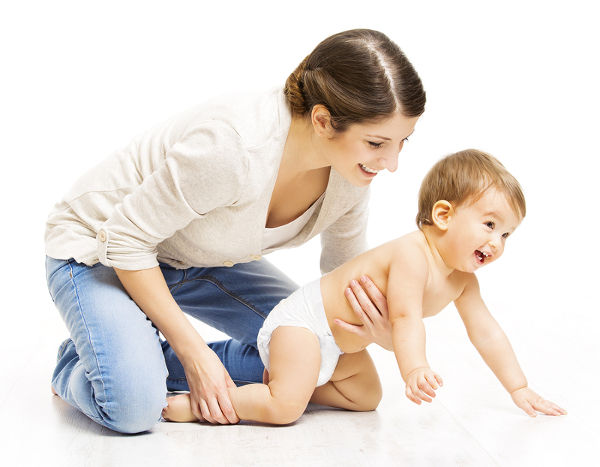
<point>179,409</point>
<point>53,391</point>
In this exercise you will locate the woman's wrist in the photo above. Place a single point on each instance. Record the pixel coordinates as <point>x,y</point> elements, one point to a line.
<point>187,343</point>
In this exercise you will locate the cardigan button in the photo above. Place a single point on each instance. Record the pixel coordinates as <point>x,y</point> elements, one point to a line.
<point>102,236</point>
<point>228,263</point>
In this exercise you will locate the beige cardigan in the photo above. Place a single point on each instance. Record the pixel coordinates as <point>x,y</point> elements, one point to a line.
<point>195,192</point>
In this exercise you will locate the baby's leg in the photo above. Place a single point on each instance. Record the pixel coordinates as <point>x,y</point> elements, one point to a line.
<point>295,359</point>
<point>179,409</point>
<point>354,384</point>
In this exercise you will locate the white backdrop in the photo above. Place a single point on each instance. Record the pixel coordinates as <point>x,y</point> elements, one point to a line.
<point>517,79</point>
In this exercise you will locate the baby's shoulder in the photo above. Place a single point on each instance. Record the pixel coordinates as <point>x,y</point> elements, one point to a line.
<point>408,250</point>
<point>464,283</point>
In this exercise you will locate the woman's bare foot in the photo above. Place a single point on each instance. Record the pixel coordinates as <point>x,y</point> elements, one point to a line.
<point>179,409</point>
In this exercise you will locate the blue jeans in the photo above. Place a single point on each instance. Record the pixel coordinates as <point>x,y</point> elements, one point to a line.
<point>115,368</point>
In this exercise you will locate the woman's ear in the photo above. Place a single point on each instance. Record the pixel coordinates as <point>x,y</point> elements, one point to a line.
<point>441,214</point>
<point>321,121</point>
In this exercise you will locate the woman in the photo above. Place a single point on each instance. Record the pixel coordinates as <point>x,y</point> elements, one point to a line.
<point>178,222</point>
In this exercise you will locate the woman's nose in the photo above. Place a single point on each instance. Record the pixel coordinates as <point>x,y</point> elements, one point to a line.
<point>390,162</point>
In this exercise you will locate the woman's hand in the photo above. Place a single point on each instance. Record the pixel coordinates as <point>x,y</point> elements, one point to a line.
<point>209,381</point>
<point>370,306</point>
<point>531,402</point>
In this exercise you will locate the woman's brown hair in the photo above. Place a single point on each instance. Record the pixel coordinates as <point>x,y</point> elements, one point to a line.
<point>358,75</point>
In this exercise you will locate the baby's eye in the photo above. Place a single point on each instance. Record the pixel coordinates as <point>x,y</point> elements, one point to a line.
<point>490,225</point>
<point>373,144</point>
<point>505,235</point>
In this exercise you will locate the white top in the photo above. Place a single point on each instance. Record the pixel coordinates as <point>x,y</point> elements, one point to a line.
<point>277,236</point>
<point>195,191</point>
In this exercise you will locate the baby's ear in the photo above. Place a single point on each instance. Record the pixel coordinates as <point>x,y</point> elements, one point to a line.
<point>441,213</point>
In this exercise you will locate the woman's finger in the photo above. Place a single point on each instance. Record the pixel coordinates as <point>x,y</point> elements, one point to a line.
<point>353,328</point>
<point>215,411</point>
<point>378,299</point>
<point>205,412</point>
<point>360,303</point>
<point>195,407</point>
<point>227,409</point>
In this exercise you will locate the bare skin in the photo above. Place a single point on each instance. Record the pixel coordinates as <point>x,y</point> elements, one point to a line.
<point>420,273</point>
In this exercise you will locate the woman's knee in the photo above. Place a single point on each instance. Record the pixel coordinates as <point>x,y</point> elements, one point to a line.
<point>135,408</point>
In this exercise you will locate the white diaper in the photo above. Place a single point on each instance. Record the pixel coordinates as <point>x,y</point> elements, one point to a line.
<point>304,308</point>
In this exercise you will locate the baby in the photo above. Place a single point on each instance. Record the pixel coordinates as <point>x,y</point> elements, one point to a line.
<point>468,206</point>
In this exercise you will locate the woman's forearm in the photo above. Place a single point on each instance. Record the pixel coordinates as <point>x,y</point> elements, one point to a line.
<point>149,290</point>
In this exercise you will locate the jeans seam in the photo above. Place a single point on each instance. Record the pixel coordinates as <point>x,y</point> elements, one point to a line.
<point>224,289</point>
<point>79,307</point>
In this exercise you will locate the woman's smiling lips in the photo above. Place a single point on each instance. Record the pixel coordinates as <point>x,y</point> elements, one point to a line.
<point>368,171</point>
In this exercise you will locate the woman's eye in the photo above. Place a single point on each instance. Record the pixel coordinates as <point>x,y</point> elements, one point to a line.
<point>490,225</point>
<point>405,140</point>
<point>373,144</point>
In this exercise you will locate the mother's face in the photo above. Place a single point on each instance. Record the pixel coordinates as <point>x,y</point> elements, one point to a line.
<point>364,149</point>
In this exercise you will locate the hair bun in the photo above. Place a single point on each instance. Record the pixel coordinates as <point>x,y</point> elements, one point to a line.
<point>293,89</point>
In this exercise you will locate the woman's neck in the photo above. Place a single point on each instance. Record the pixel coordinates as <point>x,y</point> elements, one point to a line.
<point>301,153</point>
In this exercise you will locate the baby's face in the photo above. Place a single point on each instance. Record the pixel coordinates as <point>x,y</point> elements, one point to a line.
<point>477,232</point>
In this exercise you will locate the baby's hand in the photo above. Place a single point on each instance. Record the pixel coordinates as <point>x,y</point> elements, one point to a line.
<point>421,384</point>
<point>529,401</point>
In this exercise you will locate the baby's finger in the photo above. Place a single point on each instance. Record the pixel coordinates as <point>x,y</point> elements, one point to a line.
<point>439,379</point>
<point>529,410</point>
<point>547,407</point>
<point>425,387</point>
<point>421,395</point>
<point>560,410</point>
<point>411,396</point>
<point>432,381</point>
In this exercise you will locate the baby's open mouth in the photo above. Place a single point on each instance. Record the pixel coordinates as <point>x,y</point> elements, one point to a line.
<point>481,256</point>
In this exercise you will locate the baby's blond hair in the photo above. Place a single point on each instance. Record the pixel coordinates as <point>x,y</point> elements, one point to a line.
<point>465,176</point>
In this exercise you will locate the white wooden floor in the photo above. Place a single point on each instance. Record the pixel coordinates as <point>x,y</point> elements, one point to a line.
<point>473,422</point>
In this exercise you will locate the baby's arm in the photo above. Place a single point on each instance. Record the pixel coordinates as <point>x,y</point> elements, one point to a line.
<point>492,344</point>
<point>406,285</point>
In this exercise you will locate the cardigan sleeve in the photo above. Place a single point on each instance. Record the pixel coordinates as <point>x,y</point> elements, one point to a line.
<point>204,170</point>
<point>346,237</point>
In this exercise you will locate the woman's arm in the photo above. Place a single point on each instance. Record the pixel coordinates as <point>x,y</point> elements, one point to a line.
<point>202,171</point>
<point>207,377</point>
